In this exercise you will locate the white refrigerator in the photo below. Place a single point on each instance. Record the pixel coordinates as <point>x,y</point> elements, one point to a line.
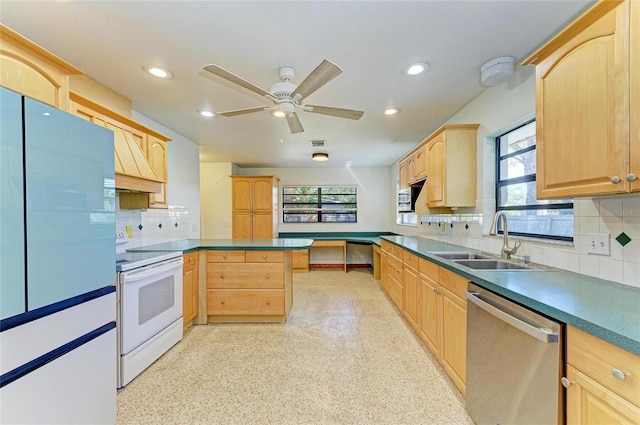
<point>57,266</point>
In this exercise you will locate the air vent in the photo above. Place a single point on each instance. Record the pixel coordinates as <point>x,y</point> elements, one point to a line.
<point>318,143</point>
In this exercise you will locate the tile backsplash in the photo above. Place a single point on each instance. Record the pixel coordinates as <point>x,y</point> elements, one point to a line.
<point>618,217</point>
<point>154,226</point>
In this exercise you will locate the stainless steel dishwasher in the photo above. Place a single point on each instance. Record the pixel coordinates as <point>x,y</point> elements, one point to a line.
<point>514,363</point>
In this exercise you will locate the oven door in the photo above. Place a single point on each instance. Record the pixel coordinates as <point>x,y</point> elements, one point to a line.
<point>150,300</point>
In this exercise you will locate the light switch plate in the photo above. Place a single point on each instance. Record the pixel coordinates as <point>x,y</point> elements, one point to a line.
<point>598,243</point>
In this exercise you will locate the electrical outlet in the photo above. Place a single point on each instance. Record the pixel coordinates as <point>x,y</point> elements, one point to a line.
<point>598,243</point>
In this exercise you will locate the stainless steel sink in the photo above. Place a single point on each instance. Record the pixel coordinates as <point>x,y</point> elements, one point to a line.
<point>492,265</point>
<point>460,255</point>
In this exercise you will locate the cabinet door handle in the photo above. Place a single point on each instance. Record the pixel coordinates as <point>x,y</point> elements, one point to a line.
<point>268,302</point>
<point>222,276</point>
<point>264,256</point>
<point>266,276</point>
<point>618,374</point>
<point>631,177</point>
<point>615,179</point>
<point>224,256</point>
<point>222,302</point>
<point>565,382</point>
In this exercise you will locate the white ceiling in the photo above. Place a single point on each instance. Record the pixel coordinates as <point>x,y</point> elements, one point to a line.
<point>371,40</point>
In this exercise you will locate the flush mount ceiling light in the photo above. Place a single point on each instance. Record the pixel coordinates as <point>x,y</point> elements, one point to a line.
<point>206,114</point>
<point>416,68</point>
<point>158,71</point>
<point>497,70</point>
<point>320,156</point>
<point>391,111</point>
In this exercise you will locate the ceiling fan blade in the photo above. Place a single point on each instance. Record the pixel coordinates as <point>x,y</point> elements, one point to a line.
<point>220,72</point>
<point>242,111</point>
<point>336,112</point>
<point>320,76</point>
<point>294,123</point>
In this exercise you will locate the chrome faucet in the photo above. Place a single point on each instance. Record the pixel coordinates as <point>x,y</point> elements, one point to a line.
<point>506,251</point>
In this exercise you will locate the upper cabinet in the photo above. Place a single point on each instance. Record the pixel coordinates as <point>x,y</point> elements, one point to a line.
<point>447,159</point>
<point>587,90</point>
<point>32,71</point>
<point>140,155</point>
<point>254,212</point>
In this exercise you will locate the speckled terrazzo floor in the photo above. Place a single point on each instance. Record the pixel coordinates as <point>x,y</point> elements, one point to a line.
<point>345,356</point>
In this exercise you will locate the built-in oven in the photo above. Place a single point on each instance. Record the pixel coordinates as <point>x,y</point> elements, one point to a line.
<point>149,309</point>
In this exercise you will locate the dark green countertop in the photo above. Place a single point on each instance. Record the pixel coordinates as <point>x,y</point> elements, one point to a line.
<point>187,245</point>
<point>354,237</point>
<point>608,310</point>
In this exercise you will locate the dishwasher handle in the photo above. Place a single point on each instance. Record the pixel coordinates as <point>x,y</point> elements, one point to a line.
<point>544,335</point>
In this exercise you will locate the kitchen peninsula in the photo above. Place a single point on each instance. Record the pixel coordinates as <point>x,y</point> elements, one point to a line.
<point>247,280</point>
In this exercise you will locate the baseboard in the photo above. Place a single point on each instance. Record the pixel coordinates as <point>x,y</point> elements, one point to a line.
<point>338,266</point>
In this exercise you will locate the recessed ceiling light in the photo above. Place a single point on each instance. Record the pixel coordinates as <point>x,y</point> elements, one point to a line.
<point>206,114</point>
<point>416,68</point>
<point>158,71</point>
<point>391,111</point>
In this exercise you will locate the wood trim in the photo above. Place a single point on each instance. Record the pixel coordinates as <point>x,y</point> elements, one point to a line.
<point>137,184</point>
<point>584,21</point>
<point>75,97</point>
<point>10,36</point>
<point>435,134</point>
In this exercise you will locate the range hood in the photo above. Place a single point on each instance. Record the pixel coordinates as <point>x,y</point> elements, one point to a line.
<point>132,168</point>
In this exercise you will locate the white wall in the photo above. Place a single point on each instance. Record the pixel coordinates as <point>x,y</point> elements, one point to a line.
<point>215,199</point>
<point>373,194</point>
<point>496,109</point>
<point>182,219</point>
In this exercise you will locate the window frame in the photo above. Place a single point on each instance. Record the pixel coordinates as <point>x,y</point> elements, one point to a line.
<point>319,210</point>
<point>501,183</point>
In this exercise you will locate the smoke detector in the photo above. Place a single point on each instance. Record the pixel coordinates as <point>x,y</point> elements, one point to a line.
<point>497,70</point>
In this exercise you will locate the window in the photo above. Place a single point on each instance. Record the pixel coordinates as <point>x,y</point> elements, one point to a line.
<point>319,204</point>
<point>516,189</point>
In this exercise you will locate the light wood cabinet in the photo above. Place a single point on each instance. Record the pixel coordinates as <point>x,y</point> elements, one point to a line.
<point>604,386</point>
<point>249,286</point>
<point>443,320</point>
<point>132,142</point>
<point>403,170</point>
<point>417,165</point>
<point>190,298</point>
<point>157,154</point>
<point>254,207</point>
<point>584,151</point>
<point>392,281</point>
<point>451,155</point>
<point>411,289</point>
<point>300,260</point>
<point>32,71</point>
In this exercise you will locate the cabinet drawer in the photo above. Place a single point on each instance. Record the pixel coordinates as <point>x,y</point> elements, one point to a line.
<point>190,259</point>
<point>392,249</point>
<point>245,302</point>
<point>410,259</point>
<point>601,360</point>
<point>394,289</point>
<point>429,269</point>
<point>246,275</point>
<point>264,256</point>
<point>453,282</point>
<point>300,259</point>
<point>225,256</point>
<point>394,268</point>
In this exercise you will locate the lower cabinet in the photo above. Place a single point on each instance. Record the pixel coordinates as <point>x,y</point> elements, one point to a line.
<point>246,286</point>
<point>190,298</point>
<point>432,300</point>
<point>443,319</point>
<point>602,381</point>
<point>300,260</point>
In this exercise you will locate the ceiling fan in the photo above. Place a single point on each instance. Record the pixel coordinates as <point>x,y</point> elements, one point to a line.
<point>288,96</point>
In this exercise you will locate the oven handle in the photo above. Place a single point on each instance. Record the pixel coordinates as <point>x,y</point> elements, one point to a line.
<point>543,335</point>
<point>130,277</point>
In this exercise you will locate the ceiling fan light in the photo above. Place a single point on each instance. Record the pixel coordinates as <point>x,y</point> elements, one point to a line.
<point>278,113</point>
<point>158,71</point>
<point>320,156</point>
